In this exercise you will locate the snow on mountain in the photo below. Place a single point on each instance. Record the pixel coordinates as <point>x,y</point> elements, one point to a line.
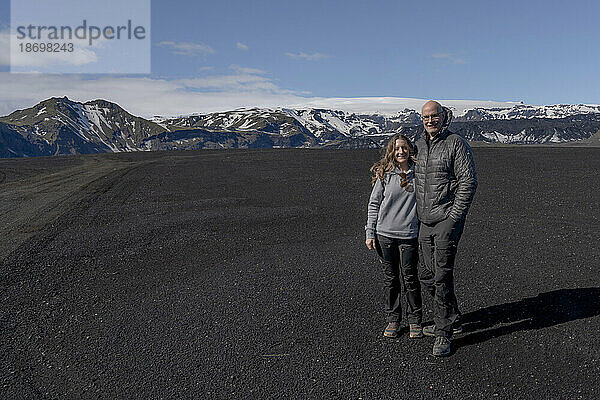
<point>367,117</point>
<point>389,106</point>
<point>325,125</point>
<point>463,110</point>
<point>92,127</point>
<point>62,126</point>
<point>322,124</point>
<point>522,111</point>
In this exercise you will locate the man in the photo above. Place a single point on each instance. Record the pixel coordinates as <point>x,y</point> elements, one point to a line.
<point>445,183</point>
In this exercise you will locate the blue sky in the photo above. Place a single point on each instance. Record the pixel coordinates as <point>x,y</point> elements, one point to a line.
<point>539,52</point>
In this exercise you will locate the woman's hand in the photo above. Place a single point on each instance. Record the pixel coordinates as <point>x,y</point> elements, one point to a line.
<point>370,244</point>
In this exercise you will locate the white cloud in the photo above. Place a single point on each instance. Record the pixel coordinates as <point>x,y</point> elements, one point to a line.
<point>205,68</point>
<point>307,57</point>
<point>243,82</point>
<point>244,70</point>
<point>4,47</point>
<point>146,96</point>
<point>187,48</point>
<point>450,57</point>
<point>241,46</point>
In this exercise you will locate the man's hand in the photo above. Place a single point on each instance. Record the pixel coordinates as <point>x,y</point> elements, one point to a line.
<point>451,230</point>
<point>370,244</point>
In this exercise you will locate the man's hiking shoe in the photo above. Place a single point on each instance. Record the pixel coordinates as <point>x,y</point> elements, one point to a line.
<point>441,347</point>
<point>415,331</point>
<point>429,330</point>
<point>391,330</point>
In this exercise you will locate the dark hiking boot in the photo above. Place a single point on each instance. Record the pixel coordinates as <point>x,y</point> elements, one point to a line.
<point>441,347</point>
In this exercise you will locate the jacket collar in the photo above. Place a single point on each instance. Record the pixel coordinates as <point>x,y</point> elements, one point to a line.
<point>440,136</point>
<point>398,171</point>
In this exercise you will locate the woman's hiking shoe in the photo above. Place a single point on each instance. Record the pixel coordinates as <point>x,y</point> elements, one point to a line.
<point>441,347</point>
<point>429,330</point>
<point>391,330</point>
<point>415,331</point>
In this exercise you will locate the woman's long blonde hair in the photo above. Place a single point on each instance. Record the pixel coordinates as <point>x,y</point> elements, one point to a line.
<point>388,161</point>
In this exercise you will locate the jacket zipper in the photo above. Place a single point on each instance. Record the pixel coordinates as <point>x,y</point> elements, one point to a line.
<point>425,180</point>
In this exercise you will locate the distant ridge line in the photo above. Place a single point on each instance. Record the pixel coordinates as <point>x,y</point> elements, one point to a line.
<point>59,125</point>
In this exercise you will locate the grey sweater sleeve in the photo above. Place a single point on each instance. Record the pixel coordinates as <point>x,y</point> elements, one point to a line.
<point>373,209</point>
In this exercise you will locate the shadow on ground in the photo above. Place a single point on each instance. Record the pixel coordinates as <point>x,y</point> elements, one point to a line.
<point>544,310</point>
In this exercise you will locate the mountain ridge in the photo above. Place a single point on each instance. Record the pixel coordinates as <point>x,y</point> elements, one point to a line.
<point>59,125</point>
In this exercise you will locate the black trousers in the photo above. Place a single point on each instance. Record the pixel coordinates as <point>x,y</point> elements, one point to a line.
<point>437,250</point>
<point>400,258</point>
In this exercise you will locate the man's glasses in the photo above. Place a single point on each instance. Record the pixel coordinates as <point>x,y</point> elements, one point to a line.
<point>433,117</point>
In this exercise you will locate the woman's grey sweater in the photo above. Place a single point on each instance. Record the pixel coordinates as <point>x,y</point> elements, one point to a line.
<point>392,209</point>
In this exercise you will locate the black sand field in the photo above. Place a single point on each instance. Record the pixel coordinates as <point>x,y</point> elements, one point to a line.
<point>244,274</point>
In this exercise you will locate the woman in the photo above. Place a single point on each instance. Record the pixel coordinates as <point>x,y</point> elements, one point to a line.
<point>392,229</point>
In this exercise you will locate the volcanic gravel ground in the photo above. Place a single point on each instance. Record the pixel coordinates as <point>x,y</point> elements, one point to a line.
<point>244,273</point>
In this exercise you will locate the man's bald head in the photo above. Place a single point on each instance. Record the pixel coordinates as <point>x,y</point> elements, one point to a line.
<point>432,105</point>
<point>433,117</point>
